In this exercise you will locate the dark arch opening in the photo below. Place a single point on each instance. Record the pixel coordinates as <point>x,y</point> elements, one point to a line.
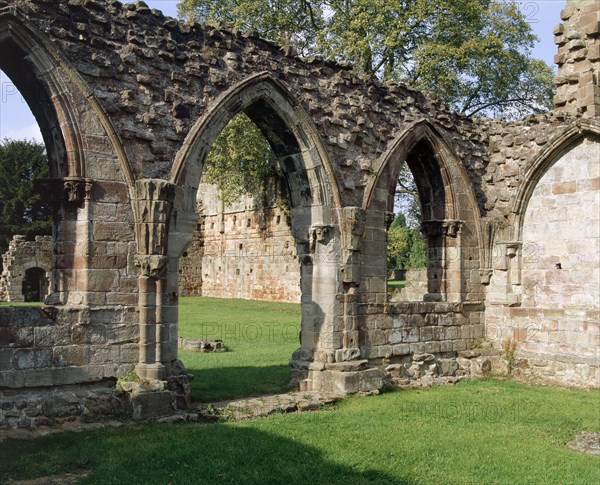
<point>35,285</point>
<point>421,282</point>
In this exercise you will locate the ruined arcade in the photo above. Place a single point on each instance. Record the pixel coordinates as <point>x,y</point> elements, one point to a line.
<point>129,103</point>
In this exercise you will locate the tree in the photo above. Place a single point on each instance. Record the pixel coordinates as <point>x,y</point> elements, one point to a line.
<point>22,210</point>
<point>406,247</point>
<point>475,54</point>
<point>407,197</point>
<point>241,162</point>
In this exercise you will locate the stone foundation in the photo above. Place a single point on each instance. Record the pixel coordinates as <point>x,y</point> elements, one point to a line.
<point>49,406</point>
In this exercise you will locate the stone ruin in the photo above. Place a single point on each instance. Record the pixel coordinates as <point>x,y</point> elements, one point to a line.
<point>129,103</point>
<point>240,250</point>
<point>26,260</point>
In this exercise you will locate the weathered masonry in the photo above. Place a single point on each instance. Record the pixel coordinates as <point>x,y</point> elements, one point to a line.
<point>240,250</point>
<point>129,102</point>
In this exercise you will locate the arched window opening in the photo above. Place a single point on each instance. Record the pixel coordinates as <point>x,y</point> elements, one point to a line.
<point>407,248</point>
<point>418,234</point>
<point>25,215</point>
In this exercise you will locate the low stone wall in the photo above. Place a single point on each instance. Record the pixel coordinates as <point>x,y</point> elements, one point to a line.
<point>55,346</point>
<point>407,328</point>
<point>41,407</point>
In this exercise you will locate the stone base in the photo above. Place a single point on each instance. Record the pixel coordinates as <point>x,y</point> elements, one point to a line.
<point>557,370</point>
<point>151,404</point>
<point>339,380</point>
<point>32,408</point>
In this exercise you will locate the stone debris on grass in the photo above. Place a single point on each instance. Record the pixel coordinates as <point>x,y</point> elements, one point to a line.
<point>202,345</point>
<point>586,442</point>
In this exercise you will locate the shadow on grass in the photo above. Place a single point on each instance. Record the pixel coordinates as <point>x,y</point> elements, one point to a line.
<point>216,453</point>
<point>216,384</point>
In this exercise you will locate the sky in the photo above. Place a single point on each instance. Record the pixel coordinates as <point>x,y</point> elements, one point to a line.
<point>17,122</point>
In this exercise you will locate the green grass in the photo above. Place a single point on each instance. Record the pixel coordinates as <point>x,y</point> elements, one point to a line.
<point>261,337</point>
<point>474,432</point>
<point>21,303</point>
<point>396,283</point>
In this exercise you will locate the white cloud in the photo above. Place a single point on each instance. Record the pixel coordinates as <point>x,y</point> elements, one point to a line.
<point>26,132</point>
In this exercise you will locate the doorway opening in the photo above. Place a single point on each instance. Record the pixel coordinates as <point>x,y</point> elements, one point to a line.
<point>240,277</point>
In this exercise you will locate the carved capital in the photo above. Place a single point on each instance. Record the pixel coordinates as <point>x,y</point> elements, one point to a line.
<point>73,190</point>
<point>485,275</point>
<point>441,227</point>
<point>153,205</point>
<point>152,266</point>
<point>512,248</point>
<point>320,233</point>
<point>352,226</point>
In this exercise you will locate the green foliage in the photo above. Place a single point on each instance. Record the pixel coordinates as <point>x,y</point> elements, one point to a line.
<point>475,54</point>
<point>406,247</point>
<point>472,432</point>
<point>241,162</point>
<point>288,22</point>
<point>22,210</point>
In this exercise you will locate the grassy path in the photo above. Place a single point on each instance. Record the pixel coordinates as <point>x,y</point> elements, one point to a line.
<point>473,432</point>
<point>261,337</point>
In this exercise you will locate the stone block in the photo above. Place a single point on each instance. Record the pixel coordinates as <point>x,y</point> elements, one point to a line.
<point>71,355</point>
<point>370,380</point>
<point>346,382</point>
<point>447,367</point>
<point>61,405</point>
<point>50,336</point>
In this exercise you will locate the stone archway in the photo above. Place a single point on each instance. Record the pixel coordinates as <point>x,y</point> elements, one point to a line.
<point>544,289</point>
<point>451,221</point>
<point>81,145</point>
<point>313,221</point>
<point>448,318</point>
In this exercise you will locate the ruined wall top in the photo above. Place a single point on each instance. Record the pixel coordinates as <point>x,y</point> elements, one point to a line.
<point>578,58</point>
<point>155,77</point>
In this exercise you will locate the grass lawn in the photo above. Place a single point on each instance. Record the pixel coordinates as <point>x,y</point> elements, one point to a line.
<point>474,432</point>
<point>396,283</point>
<point>261,337</point>
<point>21,303</point>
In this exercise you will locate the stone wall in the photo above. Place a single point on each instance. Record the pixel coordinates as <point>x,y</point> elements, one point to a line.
<point>240,251</point>
<point>23,255</point>
<point>578,58</point>
<point>129,103</point>
<point>547,299</point>
<point>415,287</point>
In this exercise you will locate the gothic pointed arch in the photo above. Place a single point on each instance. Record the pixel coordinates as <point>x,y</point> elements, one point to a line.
<point>56,94</point>
<point>451,219</point>
<point>557,147</point>
<point>284,123</point>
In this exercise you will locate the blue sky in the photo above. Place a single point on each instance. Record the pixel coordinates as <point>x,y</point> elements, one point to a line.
<point>17,122</point>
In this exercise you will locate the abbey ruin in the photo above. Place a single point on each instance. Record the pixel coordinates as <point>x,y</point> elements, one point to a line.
<point>129,103</point>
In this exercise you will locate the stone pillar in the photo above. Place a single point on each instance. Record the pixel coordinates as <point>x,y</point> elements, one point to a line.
<point>71,199</point>
<point>444,260</point>
<point>578,58</point>
<point>152,205</point>
<point>352,227</point>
